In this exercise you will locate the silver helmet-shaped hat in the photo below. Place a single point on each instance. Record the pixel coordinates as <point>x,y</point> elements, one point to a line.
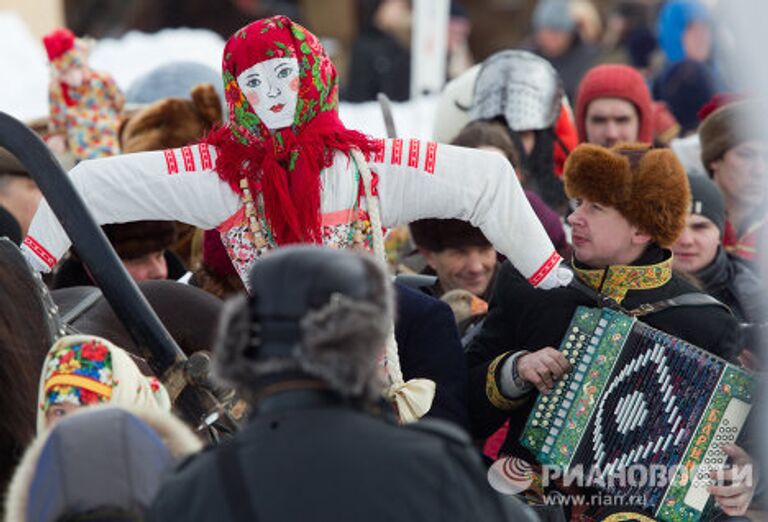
<point>522,87</point>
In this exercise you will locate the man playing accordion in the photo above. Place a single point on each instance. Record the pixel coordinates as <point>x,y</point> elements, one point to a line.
<point>631,205</point>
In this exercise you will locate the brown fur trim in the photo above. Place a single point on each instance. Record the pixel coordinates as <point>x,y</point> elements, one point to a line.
<point>172,122</point>
<point>660,196</point>
<point>648,186</point>
<point>207,103</point>
<point>596,173</point>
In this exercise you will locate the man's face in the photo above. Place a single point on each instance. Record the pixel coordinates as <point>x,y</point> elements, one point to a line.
<point>697,41</point>
<point>469,268</point>
<point>272,88</point>
<point>150,266</point>
<point>741,174</point>
<point>610,121</point>
<point>601,236</point>
<point>696,247</point>
<point>552,42</point>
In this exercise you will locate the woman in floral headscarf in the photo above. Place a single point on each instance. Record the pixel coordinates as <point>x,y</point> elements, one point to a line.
<point>84,370</point>
<point>284,170</point>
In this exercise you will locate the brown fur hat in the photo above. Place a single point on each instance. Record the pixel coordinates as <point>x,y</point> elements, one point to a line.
<point>172,122</point>
<point>648,186</point>
<point>139,238</point>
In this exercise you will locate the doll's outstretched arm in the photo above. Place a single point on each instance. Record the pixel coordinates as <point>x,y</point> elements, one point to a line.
<point>420,179</point>
<point>175,184</point>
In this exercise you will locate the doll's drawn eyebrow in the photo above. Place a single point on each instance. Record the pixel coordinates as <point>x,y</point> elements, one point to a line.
<point>282,64</point>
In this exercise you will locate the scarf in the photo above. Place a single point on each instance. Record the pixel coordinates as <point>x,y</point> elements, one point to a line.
<point>283,165</point>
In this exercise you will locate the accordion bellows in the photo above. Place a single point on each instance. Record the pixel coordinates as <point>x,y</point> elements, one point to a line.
<point>636,396</point>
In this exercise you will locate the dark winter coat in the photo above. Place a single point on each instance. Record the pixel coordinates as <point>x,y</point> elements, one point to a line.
<point>733,281</point>
<point>429,347</point>
<point>525,318</point>
<point>378,64</point>
<point>305,456</point>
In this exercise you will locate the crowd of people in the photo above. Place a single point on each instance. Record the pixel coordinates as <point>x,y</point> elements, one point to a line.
<point>382,314</point>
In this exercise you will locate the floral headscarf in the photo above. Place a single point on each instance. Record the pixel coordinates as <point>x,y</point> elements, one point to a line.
<point>283,165</point>
<point>86,370</point>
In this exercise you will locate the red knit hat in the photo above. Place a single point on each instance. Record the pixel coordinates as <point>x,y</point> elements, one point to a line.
<point>615,81</point>
<point>57,42</point>
<point>65,49</point>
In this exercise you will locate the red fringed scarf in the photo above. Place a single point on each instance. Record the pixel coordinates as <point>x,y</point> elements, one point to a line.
<point>283,165</point>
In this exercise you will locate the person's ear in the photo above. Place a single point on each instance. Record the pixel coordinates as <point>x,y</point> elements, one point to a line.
<point>715,166</point>
<point>640,238</point>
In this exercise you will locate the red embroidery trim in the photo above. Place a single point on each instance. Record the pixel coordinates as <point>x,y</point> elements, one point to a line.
<point>379,155</point>
<point>189,159</point>
<point>431,159</point>
<point>170,161</point>
<point>38,249</point>
<point>413,153</point>
<point>397,151</point>
<point>545,269</point>
<point>205,156</point>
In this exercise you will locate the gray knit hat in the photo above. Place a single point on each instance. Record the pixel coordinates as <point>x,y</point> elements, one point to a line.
<point>707,200</point>
<point>553,14</point>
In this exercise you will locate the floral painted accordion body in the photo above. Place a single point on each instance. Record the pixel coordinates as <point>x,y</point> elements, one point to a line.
<point>638,397</point>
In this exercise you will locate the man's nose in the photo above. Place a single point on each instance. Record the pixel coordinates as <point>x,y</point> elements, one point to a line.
<point>575,216</point>
<point>474,262</point>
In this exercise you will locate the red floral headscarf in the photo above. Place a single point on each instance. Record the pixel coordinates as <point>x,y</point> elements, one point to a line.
<point>283,165</point>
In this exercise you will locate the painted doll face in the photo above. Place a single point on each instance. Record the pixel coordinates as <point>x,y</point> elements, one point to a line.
<point>271,88</point>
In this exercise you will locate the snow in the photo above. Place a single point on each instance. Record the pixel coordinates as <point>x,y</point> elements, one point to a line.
<point>25,96</point>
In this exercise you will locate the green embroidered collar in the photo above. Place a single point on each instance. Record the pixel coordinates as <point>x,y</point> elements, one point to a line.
<point>615,280</point>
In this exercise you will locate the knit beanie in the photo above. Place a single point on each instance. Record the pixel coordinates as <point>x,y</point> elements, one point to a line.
<point>707,200</point>
<point>615,81</point>
<point>553,14</point>
<point>172,80</point>
<point>727,127</point>
<point>647,186</point>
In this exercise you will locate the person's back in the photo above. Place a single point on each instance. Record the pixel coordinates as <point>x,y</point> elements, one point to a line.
<point>308,455</point>
<point>305,350</point>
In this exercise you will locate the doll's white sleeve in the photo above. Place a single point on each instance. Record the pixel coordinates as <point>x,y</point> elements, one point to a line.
<point>174,184</point>
<point>419,179</point>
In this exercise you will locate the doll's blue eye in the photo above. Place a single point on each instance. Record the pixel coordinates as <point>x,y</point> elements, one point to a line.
<point>253,82</point>
<point>283,73</point>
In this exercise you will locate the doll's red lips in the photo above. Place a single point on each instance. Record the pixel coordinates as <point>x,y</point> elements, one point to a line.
<point>277,108</point>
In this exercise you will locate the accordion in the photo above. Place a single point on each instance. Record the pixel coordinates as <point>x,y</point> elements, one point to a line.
<point>638,399</point>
